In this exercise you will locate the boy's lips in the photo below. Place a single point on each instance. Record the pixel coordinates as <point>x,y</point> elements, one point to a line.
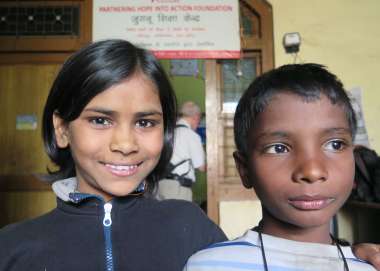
<point>307,203</point>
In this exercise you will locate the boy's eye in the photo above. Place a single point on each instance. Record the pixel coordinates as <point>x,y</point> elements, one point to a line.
<point>276,148</point>
<point>335,145</point>
<point>100,121</point>
<point>145,123</point>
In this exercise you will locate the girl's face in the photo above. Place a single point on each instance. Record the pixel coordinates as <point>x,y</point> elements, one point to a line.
<point>117,140</point>
<point>301,165</point>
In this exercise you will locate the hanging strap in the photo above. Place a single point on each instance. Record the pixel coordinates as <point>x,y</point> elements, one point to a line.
<point>181,126</point>
<point>173,166</point>
<point>184,181</point>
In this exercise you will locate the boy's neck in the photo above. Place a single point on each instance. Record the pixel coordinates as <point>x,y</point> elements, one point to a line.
<point>278,228</point>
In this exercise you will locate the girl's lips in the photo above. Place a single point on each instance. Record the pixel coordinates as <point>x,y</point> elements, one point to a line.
<point>122,170</point>
<point>308,203</point>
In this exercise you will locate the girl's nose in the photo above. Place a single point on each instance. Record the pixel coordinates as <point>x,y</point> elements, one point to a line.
<point>310,169</point>
<point>123,140</point>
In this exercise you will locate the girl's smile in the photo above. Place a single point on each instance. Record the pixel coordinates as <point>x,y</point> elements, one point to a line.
<point>122,170</point>
<point>117,140</point>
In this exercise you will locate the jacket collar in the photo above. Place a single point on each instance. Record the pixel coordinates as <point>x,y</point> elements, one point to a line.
<point>66,190</point>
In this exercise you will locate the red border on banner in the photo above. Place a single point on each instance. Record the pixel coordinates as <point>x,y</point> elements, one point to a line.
<point>212,54</point>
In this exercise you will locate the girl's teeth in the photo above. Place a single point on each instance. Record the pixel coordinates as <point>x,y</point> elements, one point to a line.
<point>122,167</point>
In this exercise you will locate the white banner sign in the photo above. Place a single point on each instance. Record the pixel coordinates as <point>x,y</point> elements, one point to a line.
<point>172,28</point>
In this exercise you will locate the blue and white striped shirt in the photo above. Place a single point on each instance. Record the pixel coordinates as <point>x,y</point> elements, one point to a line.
<point>282,255</point>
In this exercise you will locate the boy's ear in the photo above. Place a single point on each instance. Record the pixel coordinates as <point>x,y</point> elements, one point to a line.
<point>60,131</point>
<point>242,167</point>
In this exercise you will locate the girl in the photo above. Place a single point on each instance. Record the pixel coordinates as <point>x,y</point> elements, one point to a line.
<point>108,125</point>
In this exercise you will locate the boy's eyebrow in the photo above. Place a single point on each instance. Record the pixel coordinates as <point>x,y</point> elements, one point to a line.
<point>276,134</point>
<point>284,135</point>
<point>337,130</point>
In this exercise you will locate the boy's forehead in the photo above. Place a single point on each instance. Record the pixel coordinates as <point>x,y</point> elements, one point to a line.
<point>287,98</point>
<point>288,93</point>
<point>287,110</point>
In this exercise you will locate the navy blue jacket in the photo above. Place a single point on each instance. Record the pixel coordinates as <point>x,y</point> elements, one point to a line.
<point>141,234</point>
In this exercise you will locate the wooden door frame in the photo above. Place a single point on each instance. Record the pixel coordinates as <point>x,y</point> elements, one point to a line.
<point>215,127</point>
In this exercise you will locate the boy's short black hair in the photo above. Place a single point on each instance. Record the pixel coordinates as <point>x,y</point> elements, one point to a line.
<point>92,70</point>
<point>308,81</point>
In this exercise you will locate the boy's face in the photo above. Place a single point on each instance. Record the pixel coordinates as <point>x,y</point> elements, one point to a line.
<point>300,162</point>
<point>117,140</point>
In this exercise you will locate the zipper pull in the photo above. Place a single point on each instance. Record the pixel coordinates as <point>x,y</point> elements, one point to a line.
<point>107,221</point>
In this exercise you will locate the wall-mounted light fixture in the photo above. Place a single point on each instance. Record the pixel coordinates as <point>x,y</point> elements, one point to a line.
<point>291,42</point>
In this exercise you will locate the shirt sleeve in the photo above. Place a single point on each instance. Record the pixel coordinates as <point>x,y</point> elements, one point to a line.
<point>197,153</point>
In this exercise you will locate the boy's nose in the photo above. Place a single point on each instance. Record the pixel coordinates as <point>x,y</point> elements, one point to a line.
<point>123,141</point>
<point>310,170</point>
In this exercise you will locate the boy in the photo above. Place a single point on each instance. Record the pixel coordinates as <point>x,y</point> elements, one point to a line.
<point>294,130</point>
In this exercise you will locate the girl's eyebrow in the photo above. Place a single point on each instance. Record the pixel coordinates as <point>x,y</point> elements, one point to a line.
<point>148,113</point>
<point>108,112</point>
<point>100,110</point>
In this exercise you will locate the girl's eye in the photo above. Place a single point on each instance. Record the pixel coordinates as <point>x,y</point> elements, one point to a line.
<point>100,121</point>
<point>335,145</point>
<point>145,123</point>
<point>276,148</point>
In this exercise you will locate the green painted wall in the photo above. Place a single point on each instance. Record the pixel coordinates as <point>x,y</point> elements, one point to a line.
<point>191,88</point>
<point>344,35</point>
<point>188,87</point>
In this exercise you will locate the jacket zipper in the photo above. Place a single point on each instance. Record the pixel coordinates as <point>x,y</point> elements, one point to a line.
<point>107,222</point>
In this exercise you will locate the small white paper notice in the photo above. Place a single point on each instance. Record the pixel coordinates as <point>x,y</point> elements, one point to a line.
<point>361,137</point>
<point>26,122</point>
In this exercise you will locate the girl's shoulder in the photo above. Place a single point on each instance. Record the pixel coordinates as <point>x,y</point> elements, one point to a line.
<point>179,214</point>
<point>185,221</point>
<point>27,230</point>
<point>179,208</point>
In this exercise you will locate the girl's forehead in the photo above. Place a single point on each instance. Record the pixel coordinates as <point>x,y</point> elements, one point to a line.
<point>136,92</point>
<point>138,77</point>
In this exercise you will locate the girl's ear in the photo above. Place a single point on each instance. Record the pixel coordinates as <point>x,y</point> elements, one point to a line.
<point>243,169</point>
<point>60,131</point>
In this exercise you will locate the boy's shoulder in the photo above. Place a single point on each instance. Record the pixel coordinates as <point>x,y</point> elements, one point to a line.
<point>224,255</point>
<point>245,253</point>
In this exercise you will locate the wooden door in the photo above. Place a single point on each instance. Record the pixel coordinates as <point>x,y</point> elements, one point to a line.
<point>225,82</point>
<point>35,39</point>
